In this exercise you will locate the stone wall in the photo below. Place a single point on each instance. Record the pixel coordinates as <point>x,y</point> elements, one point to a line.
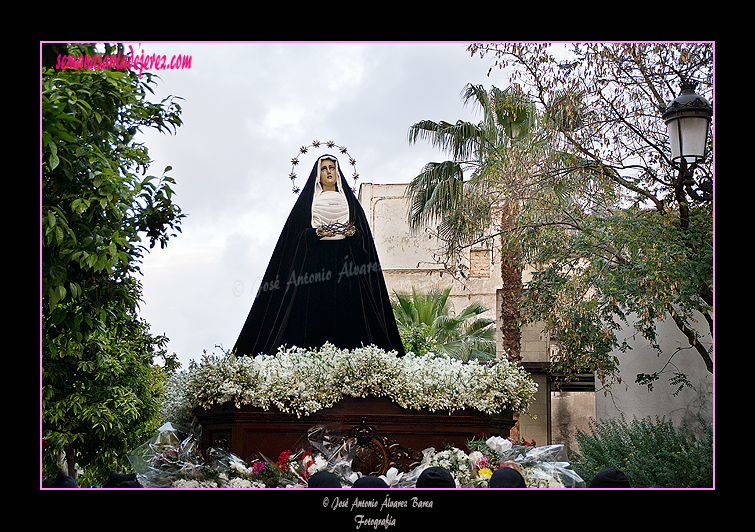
<point>409,259</point>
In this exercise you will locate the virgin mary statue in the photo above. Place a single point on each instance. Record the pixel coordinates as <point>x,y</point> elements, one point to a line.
<point>324,282</point>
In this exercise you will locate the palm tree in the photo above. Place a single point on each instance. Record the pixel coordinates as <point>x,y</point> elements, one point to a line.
<point>440,189</point>
<point>464,209</point>
<point>425,324</point>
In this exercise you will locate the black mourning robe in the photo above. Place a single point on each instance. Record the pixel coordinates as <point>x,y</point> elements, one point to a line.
<point>316,291</point>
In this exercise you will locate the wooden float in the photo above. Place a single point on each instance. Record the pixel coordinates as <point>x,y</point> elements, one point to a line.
<point>383,434</point>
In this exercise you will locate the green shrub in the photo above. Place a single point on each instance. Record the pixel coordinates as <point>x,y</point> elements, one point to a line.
<point>418,339</point>
<point>649,453</point>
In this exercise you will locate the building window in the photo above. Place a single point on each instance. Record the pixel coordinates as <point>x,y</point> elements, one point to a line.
<point>479,263</point>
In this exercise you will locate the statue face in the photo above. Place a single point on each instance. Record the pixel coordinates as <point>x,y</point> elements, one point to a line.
<point>328,174</point>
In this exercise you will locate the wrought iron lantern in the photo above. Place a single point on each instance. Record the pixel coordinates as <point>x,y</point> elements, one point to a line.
<point>688,120</point>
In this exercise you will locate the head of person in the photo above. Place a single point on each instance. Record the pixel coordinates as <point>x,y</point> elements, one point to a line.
<point>369,481</point>
<point>323,479</point>
<point>328,173</point>
<point>609,477</point>
<point>121,480</point>
<point>435,477</point>
<point>64,481</point>
<point>506,477</point>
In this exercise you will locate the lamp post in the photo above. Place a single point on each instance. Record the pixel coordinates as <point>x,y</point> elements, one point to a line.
<point>688,120</point>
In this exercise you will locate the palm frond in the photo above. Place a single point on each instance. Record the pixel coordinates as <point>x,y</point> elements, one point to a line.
<point>473,309</point>
<point>403,309</point>
<point>438,190</point>
<point>464,336</point>
<point>461,140</point>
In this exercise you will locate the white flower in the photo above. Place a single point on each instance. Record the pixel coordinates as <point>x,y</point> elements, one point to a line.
<point>193,484</point>
<point>183,484</point>
<point>392,476</point>
<point>317,464</point>
<point>236,483</point>
<point>302,381</point>
<point>240,469</point>
<point>475,457</point>
<point>498,443</point>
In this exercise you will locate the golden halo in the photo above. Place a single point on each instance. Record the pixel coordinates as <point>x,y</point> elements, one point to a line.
<point>318,144</point>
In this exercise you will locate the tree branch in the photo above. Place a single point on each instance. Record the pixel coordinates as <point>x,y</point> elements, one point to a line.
<point>692,337</point>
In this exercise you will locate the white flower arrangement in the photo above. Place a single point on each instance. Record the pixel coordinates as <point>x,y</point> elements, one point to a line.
<point>194,484</point>
<point>499,444</point>
<point>456,462</point>
<point>302,381</point>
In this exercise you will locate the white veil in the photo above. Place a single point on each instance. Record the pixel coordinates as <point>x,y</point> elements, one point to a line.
<point>329,207</point>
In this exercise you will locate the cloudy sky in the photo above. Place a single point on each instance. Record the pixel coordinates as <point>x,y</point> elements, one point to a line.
<point>247,109</point>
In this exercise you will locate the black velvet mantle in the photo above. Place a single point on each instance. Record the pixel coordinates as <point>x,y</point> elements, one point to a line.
<point>316,291</point>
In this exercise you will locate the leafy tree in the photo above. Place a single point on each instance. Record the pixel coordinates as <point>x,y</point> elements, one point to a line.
<point>425,324</point>
<point>99,379</point>
<point>587,196</point>
<point>601,211</point>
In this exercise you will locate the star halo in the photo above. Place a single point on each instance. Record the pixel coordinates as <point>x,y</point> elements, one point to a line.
<point>317,144</point>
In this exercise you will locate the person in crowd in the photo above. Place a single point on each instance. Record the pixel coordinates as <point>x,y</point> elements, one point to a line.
<point>610,477</point>
<point>121,480</point>
<point>507,477</point>
<point>369,481</point>
<point>435,477</point>
<point>323,479</point>
<point>61,481</point>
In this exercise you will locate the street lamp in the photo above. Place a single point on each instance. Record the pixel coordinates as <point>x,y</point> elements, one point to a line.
<point>688,120</point>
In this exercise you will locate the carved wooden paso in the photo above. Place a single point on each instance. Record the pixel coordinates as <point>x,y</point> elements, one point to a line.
<point>369,454</point>
<point>381,433</point>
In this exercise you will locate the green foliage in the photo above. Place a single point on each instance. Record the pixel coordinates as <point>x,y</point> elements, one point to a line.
<point>425,325</point>
<point>417,338</point>
<point>99,384</point>
<point>633,267</point>
<point>601,214</point>
<point>574,178</point>
<point>94,200</point>
<point>650,453</point>
<point>104,402</point>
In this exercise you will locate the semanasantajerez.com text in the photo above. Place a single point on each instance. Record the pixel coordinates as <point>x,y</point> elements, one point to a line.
<point>121,62</point>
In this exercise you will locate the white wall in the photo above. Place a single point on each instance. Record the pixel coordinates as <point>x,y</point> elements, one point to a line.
<point>634,400</point>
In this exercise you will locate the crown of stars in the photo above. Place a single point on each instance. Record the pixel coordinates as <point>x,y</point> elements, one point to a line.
<point>317,144</point>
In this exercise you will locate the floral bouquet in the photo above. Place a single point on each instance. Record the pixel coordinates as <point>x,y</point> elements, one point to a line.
<point>169,455</point>
<point>454,460</point>
<point>288,471</point>
<point>325,452</point>
<point>296,470</point>
<point>542,467</point>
